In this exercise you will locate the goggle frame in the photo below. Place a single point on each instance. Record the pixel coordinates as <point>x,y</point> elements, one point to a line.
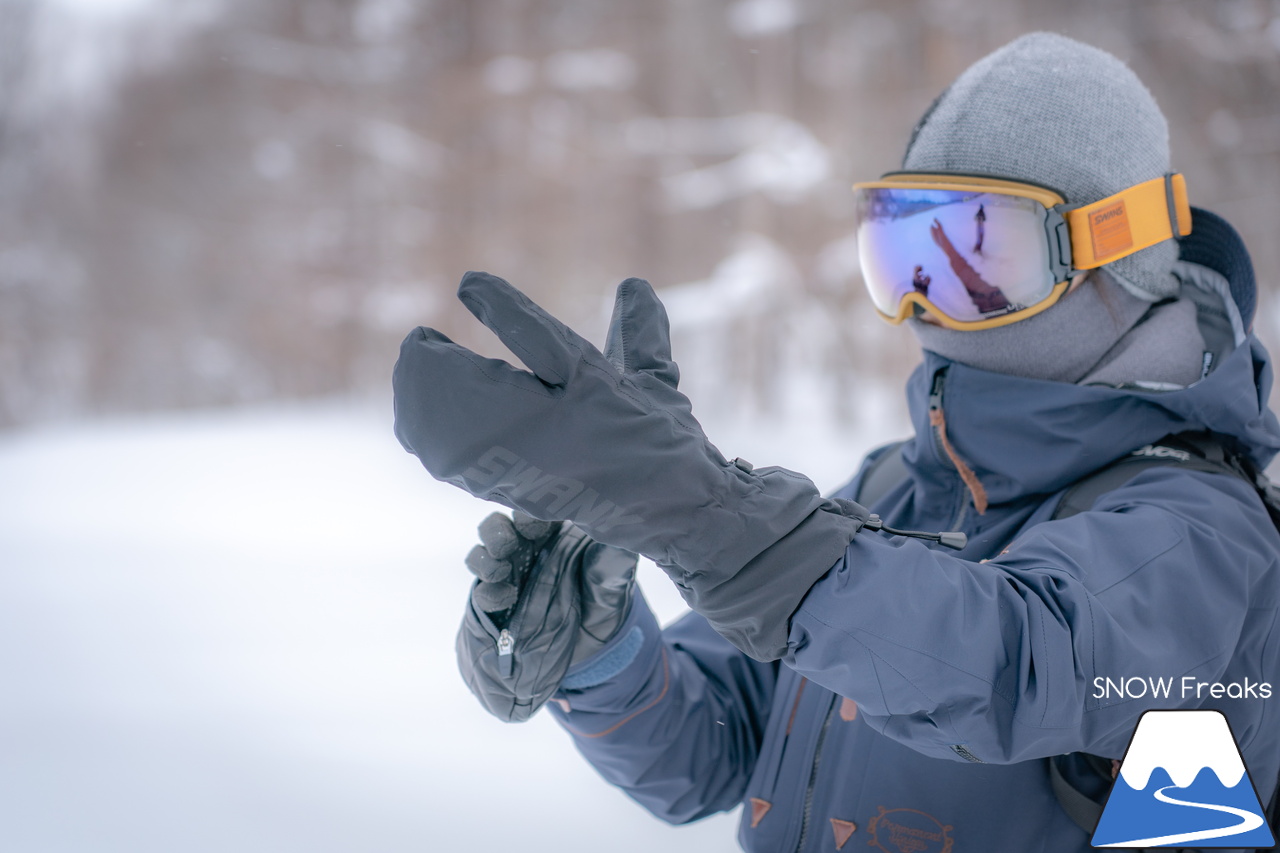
<point>1078,237</point>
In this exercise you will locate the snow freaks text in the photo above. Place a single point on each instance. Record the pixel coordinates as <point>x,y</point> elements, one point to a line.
<point>1187,687</point>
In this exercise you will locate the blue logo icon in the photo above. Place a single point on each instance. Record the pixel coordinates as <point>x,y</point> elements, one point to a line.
<point>1183,781</point>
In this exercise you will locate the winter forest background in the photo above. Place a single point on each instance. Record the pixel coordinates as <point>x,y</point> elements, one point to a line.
<point>213,202</point>
<point>227,597</point>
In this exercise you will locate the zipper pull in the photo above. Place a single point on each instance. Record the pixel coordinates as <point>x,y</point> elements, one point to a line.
<point>936,418</point>
<point>935,391</point>
<point>938,421</point>
<point>506,645</point>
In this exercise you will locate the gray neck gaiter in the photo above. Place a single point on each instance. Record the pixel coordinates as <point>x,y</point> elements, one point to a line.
<point>1062,343</point>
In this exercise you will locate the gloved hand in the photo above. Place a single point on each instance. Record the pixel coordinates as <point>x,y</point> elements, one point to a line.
<point>607,441</point>
<point>545,598</point>
<point>501,562</point>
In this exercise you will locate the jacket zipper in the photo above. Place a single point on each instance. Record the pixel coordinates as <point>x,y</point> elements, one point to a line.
<point>813,776</point>
<point>769,784</point>
<point>935,405</point>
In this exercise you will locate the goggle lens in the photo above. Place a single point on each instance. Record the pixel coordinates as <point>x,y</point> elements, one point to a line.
<point>972,256</point>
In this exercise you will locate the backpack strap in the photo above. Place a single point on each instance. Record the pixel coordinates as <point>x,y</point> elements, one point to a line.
<point>1083,810</point>
<point>883,473</point>
<point>1273,812</point>
<point>1193,451</point>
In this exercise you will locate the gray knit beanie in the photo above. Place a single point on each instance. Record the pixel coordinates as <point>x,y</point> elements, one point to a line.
<point>1053,111</point>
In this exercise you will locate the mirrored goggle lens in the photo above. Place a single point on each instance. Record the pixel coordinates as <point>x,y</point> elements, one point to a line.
<point>974,256</point>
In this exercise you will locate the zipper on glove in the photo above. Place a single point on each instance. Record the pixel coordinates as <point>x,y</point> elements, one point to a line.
<point>506,645</point>
<point>505,641</point>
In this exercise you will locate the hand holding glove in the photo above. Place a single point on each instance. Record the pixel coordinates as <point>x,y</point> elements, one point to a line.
<point>607,441</point>
<point>546,597</point>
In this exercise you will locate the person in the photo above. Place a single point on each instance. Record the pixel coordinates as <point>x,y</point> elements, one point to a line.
<point>847,687</point>
<point>920,281</point>
<point>986,298</point>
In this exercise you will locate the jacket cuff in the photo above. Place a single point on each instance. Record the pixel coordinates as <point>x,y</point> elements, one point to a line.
<point>638,638</point>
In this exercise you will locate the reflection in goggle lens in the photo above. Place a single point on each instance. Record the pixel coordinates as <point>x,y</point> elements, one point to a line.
<point>972,255</point>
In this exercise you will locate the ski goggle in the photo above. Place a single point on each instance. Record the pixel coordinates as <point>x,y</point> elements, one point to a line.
<point>979,252</point>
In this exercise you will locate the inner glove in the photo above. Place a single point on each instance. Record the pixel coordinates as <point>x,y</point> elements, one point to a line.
<point>546,597</point>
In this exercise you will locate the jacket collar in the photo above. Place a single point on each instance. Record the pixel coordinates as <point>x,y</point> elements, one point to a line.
<point>1025,437</point>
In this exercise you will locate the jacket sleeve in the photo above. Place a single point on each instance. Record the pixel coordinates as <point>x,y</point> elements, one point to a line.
<point>679,728</point>
<point>996,661</point>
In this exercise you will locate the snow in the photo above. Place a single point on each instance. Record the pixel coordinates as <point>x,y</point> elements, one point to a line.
<point>839,263</point>
<point>378,21</point>
<point>235,631</point>
<point>584,70</point>
<point>748,280</point>
<point>401,148</point>
<point>80,46</point>
<point>781,159</point>
<point>105,8</point>
<point>600,69</point>
<point>274,159</point>
<point>749,18</point>
<point>508,74</point>
<point>767,153</point>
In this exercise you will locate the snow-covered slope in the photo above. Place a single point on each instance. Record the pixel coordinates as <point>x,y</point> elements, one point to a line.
<point>235,632</point>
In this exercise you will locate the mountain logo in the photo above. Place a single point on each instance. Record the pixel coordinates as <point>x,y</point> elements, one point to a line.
<point>1183,781</point>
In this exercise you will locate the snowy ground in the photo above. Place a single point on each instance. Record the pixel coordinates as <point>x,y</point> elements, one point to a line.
<point>234,632</point>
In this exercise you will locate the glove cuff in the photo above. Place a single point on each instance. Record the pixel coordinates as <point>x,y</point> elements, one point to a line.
<point>612,658</point>
<point>752,606</point>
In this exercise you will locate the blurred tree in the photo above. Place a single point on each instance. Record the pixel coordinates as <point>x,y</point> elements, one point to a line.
<point>265,196</point>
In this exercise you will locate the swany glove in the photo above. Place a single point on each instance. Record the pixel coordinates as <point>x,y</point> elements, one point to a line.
<point>607,441</point>
<point>546,597</point>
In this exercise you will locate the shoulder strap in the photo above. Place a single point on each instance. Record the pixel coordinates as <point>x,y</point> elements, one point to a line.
<point>1083,810</point>
<point>1194,451</point>
<point>1273,812</point>
<point>883,473</point>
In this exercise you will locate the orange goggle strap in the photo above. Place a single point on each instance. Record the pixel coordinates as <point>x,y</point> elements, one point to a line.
<point>1129,221</point>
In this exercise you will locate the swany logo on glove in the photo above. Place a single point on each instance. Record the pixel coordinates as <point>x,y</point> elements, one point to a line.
<point>561,497</point>
<point>605,439</point>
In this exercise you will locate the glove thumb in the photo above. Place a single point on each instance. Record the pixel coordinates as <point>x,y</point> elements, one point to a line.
<point>639,336</point>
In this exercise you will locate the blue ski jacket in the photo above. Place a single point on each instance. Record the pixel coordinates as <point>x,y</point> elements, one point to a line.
<point>924,690</point>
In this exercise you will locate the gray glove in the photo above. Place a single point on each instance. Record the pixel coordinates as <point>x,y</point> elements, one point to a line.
<point>546,597</point>
<point>606,440</point>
